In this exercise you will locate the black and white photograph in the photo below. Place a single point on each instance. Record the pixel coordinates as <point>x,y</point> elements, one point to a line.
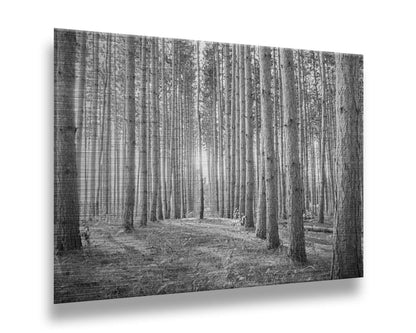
<point>183,166</point>
<point>208,166</point>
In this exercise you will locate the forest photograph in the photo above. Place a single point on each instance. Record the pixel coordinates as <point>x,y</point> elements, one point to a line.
<point>184,166</point>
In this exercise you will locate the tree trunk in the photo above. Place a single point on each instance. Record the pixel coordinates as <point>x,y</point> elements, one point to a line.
<point>237,132</point>
<point>296,232</point>
<point>176,201</point>
<point>261,206</point>
<point>79,107</point>
<point>276,129</point>
<point>159,205</point>
<point>220,135</point>
<point>129,187</point>
<point>214,160</point>
<point>282,142</point>
<point>242,134</point>
<point>94,125</point>
<point>249,195</point>
<point>347,256</point>
<point>66,204</point>
<point>233,133</point>
<point>227,168</point>
<point>143,140</point>
<point>201,179</point>
<point>107,164</point>
<point>164,196</point>
<point>267,131</point>
<point>322,146</point>
<point>155,152</point>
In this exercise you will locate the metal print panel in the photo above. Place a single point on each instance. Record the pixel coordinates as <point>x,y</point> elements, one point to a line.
<point>187,165</point>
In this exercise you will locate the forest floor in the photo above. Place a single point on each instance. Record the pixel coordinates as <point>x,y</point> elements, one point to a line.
<point>185,255</point>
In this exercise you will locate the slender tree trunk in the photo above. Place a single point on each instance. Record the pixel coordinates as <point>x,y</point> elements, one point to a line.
<point>242,133</point>
<point>258,144</point>
<point>249,195</point>
<point>237,132</point>
<point>261,230</point>
<point>180,123</point>
<point>155,153</point>
<point>131,132</point>
<point>201,179</point>
<point>305,134</point>
<point>86,158</point>
<point>282,141</point>
<point>164,137</point>
<point>313,174</point>
<point>94,126</point>
<point>99,194</point>
<point>107,166</point>
<point>301,121</point>
<point>227,168</point>
<point>80,110</point>
<point>228,134</point>
<point>220,151</point>
<point>159,139</point>
<point>233,134</point>
<point>116,137</point>
<point>143,140</point>
<point>296,232</point>
<point>149,126</point>
<point>322,147</point>
<point>267,131</point>
<point>276,130</point>
<point>347,259</point>
<point>176,201</point>
<point>215,142</point>
<point>66,204</point>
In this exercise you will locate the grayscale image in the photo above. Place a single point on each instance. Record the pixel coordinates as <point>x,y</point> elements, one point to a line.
<point>184,166</point>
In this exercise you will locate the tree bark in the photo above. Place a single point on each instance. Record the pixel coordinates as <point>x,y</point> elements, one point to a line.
<point>233,132</point>
<point>347,259</point>
<point>129,186</point>
<point>107,164</point>
<point>242,208</point>
<point>267,131</point>
<point>143,140</point>
<point>237,132</point>
<point>282,143</point>
<point>176,200</point>
<point>66,204</point>
<point>249,195</point>
<point>296,232</point>
<point>227,196</point>
<point>201,179</point>
<point>261,206</point>
<point>277,111</point>
<point>164,144</point>
<point>220,150</point>
<point>94,125</point>
<point>155,152</point>
<point>322,145</point>
<point>79,107</point>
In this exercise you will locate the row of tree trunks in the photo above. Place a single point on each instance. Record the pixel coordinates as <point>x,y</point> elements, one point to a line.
<point>266,126</point>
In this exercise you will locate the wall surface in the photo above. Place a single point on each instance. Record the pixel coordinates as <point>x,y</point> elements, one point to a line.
<point>383,32</point>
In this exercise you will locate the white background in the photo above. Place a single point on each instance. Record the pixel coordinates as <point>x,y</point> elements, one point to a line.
<point>383,31</point>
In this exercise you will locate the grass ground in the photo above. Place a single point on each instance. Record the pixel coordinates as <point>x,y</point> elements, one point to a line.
<point>184,255</point>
